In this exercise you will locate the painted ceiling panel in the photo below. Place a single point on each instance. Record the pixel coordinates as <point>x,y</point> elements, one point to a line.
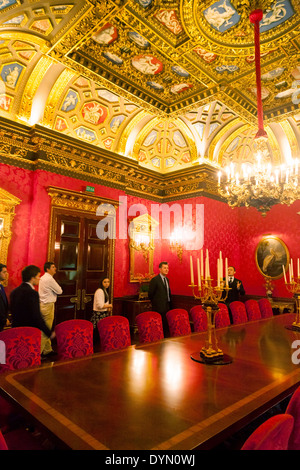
<point>118,72</point>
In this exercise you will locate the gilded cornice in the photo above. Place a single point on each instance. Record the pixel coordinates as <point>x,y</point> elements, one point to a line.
<point>41,148</point>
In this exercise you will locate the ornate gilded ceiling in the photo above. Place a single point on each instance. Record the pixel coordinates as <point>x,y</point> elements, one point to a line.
<point>169,84</point>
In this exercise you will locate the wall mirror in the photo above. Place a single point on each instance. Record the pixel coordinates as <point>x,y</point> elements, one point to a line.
<point>141,247</point>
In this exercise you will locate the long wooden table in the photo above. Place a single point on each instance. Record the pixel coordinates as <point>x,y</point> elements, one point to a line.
<point>155,396</point>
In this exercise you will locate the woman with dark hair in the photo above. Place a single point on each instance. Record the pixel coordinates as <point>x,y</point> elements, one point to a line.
<point>101,307</point>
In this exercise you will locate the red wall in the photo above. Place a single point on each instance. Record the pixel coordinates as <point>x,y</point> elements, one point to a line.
<point>235,232</point>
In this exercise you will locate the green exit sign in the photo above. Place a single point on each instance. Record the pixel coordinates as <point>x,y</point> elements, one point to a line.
<point>90,189</point>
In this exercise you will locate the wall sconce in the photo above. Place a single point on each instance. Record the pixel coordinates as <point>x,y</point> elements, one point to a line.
<point>141,241</point>
<point>141,233</point>
<point>176,243</point>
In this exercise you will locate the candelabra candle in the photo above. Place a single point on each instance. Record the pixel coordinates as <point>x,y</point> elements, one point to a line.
<point>294,287</point>
<point>209,296</point>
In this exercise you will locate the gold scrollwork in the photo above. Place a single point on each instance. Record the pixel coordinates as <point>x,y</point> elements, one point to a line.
<point>8,202</point>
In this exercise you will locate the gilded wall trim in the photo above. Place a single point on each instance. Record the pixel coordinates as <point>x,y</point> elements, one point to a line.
<point>8,203</point>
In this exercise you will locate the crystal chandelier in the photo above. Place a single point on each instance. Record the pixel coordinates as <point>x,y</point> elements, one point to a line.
<point>260,185</point>
<point>257,184</point>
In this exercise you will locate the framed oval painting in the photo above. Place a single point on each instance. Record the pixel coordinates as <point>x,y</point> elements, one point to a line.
<point>270,255</point>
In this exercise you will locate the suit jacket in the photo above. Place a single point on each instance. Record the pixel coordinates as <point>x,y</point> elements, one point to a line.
<point>234,293</point>
<point>3,310</point>
<point>159,296</point>
<point>25,308</point>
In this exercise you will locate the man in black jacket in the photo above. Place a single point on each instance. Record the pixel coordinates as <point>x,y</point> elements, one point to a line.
<point>3,298</point>
<point>160,294</point>
<point>25,303</point>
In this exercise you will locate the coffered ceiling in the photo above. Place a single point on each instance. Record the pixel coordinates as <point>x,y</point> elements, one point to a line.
<point>166,83</point>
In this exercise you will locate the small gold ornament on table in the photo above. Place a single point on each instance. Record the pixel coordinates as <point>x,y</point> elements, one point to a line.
<point>293,286</point>
<point>210,296</point>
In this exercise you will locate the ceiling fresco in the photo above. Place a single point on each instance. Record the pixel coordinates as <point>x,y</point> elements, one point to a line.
<point>170,84</point>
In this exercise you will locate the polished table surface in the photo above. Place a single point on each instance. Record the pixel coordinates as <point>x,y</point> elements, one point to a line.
<point>155,396</point>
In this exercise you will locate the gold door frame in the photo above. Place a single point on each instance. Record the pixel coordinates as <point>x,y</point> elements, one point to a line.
<point>75,202</point>
<point>8,203</point>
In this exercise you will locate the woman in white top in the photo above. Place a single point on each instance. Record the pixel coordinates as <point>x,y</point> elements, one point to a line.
<point>101,307</point>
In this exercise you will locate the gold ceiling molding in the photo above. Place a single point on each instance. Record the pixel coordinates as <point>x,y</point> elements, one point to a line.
<point>56,95</point>
<point>32,85</point>
<point>121,148</point>
<point>290,134</point>
<point>228,141</point>
<point>219,136</point>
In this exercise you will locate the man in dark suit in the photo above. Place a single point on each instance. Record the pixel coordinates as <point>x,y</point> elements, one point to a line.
<point>25,302</point>
<point>160,294</point>
<point>3,298</point>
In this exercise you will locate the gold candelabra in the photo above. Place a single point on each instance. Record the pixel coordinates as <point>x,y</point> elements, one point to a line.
<point>210,296</point>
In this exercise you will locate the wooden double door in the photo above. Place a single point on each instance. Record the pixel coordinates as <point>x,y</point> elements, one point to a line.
<point>82,259</point>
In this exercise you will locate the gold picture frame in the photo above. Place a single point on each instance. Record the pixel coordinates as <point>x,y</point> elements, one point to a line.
<point>270,255</point>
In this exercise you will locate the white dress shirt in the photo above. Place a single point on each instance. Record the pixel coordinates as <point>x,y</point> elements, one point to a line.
<point>99,301</point>
<point>48,289</point>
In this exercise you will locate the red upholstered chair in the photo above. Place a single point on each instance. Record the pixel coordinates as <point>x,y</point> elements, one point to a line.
<point>23,347</point>
<point>273,434</point>
<point>222,316</point>
<point>178,321</point>
<point>252,309</point>
<point>293,409</point>
<point>265,308</point>
<point>3,445</point>
<point>238,312</point>
<point>114,333</point>
<point>199,318</point>
<point>149,326</point>
<point>74,339</point>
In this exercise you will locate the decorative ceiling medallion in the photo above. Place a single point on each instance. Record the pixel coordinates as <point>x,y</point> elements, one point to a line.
<point>147,64</point>
<point>138,40</point>
<point>180,87</point>
<point>94,113</point>
<point>7,3</point>
<point>70,101</point>
<point>280,11</point>
<point>169,19</point>
<point>10,74</point>
<point>221,15</point>
<point>106,35</point>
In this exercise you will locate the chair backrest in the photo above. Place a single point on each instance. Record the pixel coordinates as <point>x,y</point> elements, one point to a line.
<point>293,409</point>
<point>252,309</point>
<point>178,321</point>
<point>222,316</point>
<point>3,445</point>
<point>74,339</point>
<point>114,333</point>
<point>265,308</point>
<point>273,434</point>
<point>238,312</point>
<point>199,318</point>
<point>149,326</point>
<point>22,347</point>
